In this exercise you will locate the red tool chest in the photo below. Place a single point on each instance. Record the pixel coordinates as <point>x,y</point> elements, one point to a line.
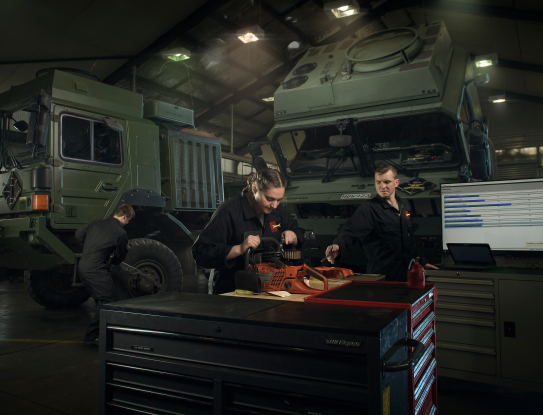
<point>420,304</point>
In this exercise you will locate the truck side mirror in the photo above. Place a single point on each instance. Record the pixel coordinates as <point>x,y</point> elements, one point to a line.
<point>38,131</point>
<point>112,124</point>
<point>21,126</point>
<point>341,141</point>
<point>478,80</point>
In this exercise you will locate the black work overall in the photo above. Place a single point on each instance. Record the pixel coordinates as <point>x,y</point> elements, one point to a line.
<point>227,228</point>
<point>386,235</point>
<point>100,239</point>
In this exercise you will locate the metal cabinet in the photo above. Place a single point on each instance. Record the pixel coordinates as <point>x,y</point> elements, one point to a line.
<point>476,313</point>
<point>521,329</point>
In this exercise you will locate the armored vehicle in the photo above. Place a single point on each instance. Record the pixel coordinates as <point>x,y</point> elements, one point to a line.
<point>406,97</point>
<point>73,150</point>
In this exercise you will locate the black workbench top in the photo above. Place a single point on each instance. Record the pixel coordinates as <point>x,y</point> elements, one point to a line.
<point>379,293</point>
<point>273,313</point>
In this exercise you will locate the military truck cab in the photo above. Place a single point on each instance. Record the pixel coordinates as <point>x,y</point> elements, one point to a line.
<point>73,150</point>
<point>405,97</point>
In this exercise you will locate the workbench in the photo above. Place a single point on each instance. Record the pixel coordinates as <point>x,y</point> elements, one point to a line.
<point>180,353</point>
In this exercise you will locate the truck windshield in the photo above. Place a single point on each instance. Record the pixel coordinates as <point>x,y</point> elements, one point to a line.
<point>413,142</point>
<point>423,141</point>
<point>14,130</point>
<point>307,152</point>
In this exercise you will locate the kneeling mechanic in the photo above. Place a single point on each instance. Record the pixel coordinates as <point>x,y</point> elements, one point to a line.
<point>101,239</point>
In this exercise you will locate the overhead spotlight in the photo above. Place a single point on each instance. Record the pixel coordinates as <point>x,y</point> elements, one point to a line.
<point>343,8</point>
<point>496,99</point>
<point>250,34</point>
<point>176,54</point>
<point>269,99</point>
<point>294,45</point>
<point>486,60</point>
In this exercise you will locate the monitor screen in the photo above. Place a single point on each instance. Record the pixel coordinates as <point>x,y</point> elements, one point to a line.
<point>507,215</point>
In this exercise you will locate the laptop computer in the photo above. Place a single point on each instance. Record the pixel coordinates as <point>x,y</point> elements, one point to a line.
<point>471,256</point>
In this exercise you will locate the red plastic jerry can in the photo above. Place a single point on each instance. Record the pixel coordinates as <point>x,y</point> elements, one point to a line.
<point>416,276</point>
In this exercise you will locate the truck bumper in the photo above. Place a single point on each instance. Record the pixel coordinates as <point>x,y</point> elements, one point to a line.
<point>27,243</point>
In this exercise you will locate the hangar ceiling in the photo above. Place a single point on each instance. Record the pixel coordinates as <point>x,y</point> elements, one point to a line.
<point>111,38</point>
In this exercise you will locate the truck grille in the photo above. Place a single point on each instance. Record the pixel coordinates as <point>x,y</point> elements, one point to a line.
<point>198,174</point>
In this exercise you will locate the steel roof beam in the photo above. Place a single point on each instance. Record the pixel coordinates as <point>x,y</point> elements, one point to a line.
<point>249,90</point>
<point>213,82</point>
<point>474,8</point>
<point>204,48</point>
<point>163,41</point>
<point>279,17</point>
<point>510,95</point>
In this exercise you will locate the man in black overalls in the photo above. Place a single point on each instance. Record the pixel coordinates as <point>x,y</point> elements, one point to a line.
<point>101,239</point>
<point>383,225</point>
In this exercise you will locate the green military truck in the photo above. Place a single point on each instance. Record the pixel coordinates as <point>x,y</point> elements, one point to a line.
<point>73,150</point>
<point>405,97</point>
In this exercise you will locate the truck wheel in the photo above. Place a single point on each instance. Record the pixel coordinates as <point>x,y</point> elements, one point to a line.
<point>53,289</point>
<point>154,259</point>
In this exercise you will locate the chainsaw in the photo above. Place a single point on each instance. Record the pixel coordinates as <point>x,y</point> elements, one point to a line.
<point>273,271</point>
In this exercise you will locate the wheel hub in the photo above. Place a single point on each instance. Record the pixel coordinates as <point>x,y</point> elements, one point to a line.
<point>140,286</point>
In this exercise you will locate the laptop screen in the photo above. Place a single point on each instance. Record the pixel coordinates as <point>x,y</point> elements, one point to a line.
<point>471,253</point>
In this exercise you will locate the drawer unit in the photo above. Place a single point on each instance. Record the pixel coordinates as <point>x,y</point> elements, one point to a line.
<point>485,323</point>
<point>179,353</point>
<point>421,318</point>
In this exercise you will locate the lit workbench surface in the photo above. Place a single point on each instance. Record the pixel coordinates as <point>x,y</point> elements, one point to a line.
<point>313,283</point>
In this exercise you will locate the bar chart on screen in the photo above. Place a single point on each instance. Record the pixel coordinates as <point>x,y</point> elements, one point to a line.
<point>508,215</point>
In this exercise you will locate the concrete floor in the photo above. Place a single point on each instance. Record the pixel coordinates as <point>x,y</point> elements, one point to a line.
<point>45,369</point>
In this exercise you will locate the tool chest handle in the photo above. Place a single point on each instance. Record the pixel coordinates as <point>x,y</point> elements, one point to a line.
<point>409,362</point>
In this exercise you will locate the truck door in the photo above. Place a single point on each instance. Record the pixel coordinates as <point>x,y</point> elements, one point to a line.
<point>91,166</point>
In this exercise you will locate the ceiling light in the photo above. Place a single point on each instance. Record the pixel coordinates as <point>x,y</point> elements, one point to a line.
<point>251,34</point>
<point>269,99</point>
<point>496,99</point>
<point>176,54</point>
<point>294,45</point>
<point>344,8</point>
<point>486,60</point>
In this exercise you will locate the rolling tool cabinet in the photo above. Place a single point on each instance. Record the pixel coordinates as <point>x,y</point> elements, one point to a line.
<point>180,353</point>
<point>420,305</point>
<point>488,321</point>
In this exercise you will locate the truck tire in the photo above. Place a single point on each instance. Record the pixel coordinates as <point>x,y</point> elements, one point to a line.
<point>53,289</point>
<point>157,261</point>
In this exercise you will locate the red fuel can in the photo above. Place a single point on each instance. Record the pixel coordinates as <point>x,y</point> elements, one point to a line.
<point>416,276</point>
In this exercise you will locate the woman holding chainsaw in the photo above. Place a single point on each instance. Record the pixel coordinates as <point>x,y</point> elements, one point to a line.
<point>257,210</point>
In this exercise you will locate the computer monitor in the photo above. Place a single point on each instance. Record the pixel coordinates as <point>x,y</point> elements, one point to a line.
<point>505,214</point>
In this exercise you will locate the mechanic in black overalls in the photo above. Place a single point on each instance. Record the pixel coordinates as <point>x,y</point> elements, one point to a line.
<point>100,239</point>
<point>383,225</point>
<point>221,245</point>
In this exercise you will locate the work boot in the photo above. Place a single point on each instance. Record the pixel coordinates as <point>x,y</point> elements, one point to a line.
<point>93,343</point>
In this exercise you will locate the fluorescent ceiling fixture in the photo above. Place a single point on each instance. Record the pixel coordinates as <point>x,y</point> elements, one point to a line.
<point>496,99</point>
<point>176,54</point>
<point>269,99</point>
<point>251,34</point>
<point>344,8</point>
<point>482,61</point>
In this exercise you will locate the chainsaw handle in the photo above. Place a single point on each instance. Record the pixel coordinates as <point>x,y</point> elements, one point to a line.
<point>270,239</point>
<point>247,256</point>
<point>318,276</point>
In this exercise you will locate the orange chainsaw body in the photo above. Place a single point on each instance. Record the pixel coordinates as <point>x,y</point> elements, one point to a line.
<point>291,278</point>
